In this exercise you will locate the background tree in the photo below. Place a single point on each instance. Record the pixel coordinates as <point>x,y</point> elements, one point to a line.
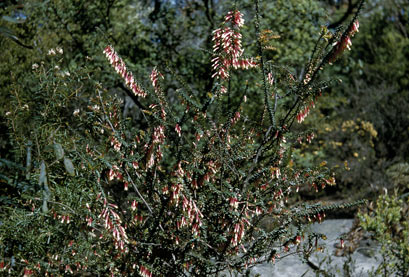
<point>366,126</point>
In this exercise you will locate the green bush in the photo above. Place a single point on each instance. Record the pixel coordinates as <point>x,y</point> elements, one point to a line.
<point>388,222</point>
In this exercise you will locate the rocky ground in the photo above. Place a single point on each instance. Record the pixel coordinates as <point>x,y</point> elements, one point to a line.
<point>364,258</point>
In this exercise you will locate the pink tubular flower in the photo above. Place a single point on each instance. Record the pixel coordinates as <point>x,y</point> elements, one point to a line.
<point>310,137</point>
<point>28,272</point>
<point>270,78</point>
<point>258,211</point>
<point>303,114</point>
<point>297,239</point>
<point>355,27</point>
<point>114,173</point>
<point>144,271</point>
<point>121,69</point>
<point>134,205</point>
<point>178,130</point>
<point>89,220</point>
<point>234,203</point>
<point>154,78</point>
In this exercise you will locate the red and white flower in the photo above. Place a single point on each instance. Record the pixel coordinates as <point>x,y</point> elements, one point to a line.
<point>227,47</point>
<point>120,68</point>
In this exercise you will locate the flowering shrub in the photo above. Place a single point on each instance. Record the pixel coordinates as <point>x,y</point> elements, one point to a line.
<point>184,190</point>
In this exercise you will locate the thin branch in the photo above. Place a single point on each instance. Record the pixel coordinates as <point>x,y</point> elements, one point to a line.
<point>139,194</point>
<point>263,69</point>
<point>105,113</point>
<point>132,96</point>
<point>58,203</point>
<point>348,12</point>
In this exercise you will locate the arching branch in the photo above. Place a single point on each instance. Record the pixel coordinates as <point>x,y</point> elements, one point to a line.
<point>349,11</point>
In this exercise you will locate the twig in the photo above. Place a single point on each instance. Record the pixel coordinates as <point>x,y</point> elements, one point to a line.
<point>263,69</point>
<point>103,109</point>
<point>143,199</point>
<point>139,194</point>
<point>58,203</point>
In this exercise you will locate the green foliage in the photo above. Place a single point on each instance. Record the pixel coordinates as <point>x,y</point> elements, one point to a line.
<point>399,174</point>
<point>389,224</point>
<point>295,26</point>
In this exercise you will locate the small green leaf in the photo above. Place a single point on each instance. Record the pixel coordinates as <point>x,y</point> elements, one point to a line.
<point>9,34</point>
<point>13,20</point>
<point>43,174</point>
<point>58,151</point>
<point>69,167</point>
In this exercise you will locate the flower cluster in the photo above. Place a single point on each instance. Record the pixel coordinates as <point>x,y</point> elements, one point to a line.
<point>235,118</point>
<point>116,144</point>
<point>158,137</point>
<point>121,69</point>
<point>143,271</point>
<point>344,43</point>
<point>238,232</point>
<point>115,174</point>
<point>155,75</point>
<point>112,223</point>
<point>194,216</point>
<point>176,192</point>
<point>235,17</point>
<point>53,52</point>
<point>227,47</point>
<point>234,202</point>
<point>305,112</point>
